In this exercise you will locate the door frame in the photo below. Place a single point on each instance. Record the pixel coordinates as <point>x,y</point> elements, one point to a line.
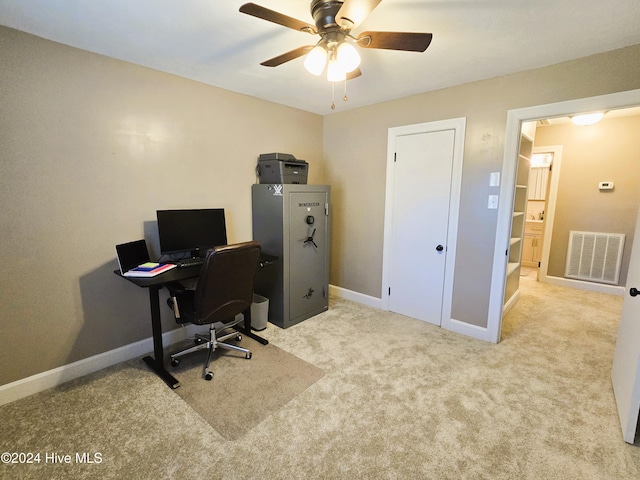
<point>459,127</point>
<point>515,118</point>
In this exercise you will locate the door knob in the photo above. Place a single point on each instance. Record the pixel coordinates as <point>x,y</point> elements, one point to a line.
<point>439,248</point>
<point>634,291</point>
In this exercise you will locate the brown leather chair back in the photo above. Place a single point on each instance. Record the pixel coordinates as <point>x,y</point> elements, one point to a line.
<point>225,285</point>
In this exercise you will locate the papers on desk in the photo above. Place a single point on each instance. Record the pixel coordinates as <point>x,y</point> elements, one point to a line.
<point>149,269</point>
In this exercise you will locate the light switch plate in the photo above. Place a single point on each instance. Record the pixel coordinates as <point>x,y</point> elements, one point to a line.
<point>494,179</point>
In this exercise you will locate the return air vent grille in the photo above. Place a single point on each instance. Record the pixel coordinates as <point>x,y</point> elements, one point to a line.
<point>595,257</point>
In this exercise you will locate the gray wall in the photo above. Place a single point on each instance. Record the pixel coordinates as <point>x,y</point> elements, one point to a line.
<point>606,151</point>
<point>91,147</point>
<point>355,155</point>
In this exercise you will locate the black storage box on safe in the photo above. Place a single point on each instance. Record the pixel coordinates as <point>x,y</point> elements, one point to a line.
<point>282,168</point>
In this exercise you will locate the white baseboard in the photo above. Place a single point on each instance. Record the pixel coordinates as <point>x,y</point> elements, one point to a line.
<point>355,296</point>
<point>590,286</point>
<point>510,303</point>
<point>469,330</point>
<point>52,378</point>
<point>473,331</point>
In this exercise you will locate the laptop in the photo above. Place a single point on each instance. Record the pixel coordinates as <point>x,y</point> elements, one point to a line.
<point>131,254</point>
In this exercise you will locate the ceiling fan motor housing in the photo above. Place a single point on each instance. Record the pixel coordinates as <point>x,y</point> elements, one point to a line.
<point>324,13</point>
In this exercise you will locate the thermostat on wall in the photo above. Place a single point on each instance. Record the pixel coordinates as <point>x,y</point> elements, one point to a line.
<point>605,185</point>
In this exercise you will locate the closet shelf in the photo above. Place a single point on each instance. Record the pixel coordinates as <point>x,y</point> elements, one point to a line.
<point>518,219</point>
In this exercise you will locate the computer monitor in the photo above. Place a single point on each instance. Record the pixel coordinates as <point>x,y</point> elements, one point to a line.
<point>194,231</point>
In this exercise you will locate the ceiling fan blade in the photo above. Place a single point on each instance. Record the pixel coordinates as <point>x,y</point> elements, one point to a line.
<point>411,42</point>
<point>354,74</point>
<point>353,12</point>
<point>275,17</point>
<point>285,57</point>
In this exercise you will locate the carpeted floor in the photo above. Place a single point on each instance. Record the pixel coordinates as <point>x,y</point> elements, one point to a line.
<point>399,399</point>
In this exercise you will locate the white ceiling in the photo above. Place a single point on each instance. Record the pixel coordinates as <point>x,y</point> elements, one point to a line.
<point>211,42</point>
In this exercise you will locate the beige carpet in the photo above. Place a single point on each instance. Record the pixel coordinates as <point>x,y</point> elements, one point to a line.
<point>243,392</point>
<point>400,399</point>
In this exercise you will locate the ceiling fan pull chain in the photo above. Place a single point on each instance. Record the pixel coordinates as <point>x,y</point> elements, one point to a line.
<point>333,95</point>
<point>345,90</point>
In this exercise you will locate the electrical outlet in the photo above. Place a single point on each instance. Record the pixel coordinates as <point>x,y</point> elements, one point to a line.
<point>493,202</point>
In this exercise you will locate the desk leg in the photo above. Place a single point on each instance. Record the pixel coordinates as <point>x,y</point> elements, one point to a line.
<point>157,361</point>
<point>246,329</point>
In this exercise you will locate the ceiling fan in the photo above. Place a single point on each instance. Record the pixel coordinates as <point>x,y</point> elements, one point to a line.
<point>335,50</point>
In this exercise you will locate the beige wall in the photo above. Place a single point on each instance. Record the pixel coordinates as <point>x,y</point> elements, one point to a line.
<point>355,154</point>
<point>90,148</point>
<point>607,151</point>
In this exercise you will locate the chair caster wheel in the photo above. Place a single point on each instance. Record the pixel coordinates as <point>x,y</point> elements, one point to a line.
<point>238,337</point>
<point>248,356</point>
<point>208,376</point>
<point>175,362</point>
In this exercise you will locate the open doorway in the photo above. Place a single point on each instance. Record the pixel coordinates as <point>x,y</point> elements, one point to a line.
<point>596,156</point>
<point>514,121</point>
<point>545,161</point>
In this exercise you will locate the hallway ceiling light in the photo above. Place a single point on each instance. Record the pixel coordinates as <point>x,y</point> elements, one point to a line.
<point>587,118</point>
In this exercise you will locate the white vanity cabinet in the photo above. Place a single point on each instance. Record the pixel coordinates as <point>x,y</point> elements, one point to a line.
<point>532,243</point>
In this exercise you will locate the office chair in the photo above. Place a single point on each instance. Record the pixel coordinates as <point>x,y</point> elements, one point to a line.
<point>224,289</point>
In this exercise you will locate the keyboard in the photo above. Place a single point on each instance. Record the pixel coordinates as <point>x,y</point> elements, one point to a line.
<point>190,262</point>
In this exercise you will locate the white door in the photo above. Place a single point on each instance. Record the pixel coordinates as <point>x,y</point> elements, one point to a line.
<point>625,374</point>
<point>422,174</point>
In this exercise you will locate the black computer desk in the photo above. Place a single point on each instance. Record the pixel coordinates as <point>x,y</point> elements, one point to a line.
<point>154,284</point>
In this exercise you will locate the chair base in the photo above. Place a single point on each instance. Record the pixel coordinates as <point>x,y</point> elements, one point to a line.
<point>211,343</point>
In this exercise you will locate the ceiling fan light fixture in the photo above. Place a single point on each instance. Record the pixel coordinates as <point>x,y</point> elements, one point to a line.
<point>348,57</point>
<point>315,60</point>
<point>587,118</point>
<point>335,71</point>
<point>335,52</point>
